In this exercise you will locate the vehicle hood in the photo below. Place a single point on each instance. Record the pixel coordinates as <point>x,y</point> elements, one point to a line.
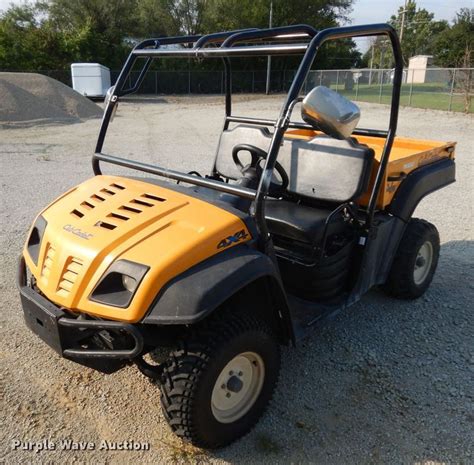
<point>108,218</point>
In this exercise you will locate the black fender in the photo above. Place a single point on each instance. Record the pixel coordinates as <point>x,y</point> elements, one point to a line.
<point>418,184</point>
<point>194,294</point>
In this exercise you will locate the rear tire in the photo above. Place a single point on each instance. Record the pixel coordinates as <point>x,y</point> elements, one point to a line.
<point>415,261</point>
<point>217,384</point>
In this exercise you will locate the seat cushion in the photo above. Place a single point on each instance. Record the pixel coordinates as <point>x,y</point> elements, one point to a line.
<point>299,222</point>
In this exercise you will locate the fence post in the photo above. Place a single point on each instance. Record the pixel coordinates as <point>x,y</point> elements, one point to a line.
<point>381,86</point>
<point>452,91</point>
<point>337,81</point>
<point>411,88</point>
<point>357,88</point>
<point>321,78</point>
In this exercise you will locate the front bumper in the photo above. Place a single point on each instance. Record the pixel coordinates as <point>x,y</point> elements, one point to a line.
<point>86,341</point>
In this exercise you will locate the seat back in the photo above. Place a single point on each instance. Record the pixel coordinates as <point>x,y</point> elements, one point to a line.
<point>322,168</point>
<point>241,134</point>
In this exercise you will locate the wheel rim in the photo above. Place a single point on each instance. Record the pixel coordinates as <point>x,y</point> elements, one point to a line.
<point>423,262</point>
<point>237,387</point>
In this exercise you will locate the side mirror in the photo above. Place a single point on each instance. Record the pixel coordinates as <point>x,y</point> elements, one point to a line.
<point>330,112</point>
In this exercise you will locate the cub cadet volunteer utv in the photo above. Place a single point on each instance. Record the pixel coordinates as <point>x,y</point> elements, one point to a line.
<point>296,221</point>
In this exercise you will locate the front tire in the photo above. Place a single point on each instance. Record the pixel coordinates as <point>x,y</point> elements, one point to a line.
<point>217,384</point>
<point>415,261</point>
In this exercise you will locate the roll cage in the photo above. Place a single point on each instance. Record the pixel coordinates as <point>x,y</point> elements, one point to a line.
<point>278,41</point>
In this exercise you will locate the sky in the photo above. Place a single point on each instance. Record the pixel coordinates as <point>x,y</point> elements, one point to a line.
<point>375,11</point>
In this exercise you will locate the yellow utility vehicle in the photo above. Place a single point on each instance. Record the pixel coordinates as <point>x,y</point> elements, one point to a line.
<point>296,221</point>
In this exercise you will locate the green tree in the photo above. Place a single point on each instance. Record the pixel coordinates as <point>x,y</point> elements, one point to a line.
<point>419,36</point>
<point>53,33</point>
<point>238,14</point>
<point>28,43</point>
<point>102,25</point>
<point>154,19</point>
<point>420,30</point>
<point>454,47</point>
<point>379,55</point>
<point>224,15</point>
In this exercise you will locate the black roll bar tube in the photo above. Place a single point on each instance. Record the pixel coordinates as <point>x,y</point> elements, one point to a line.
<point>155,43</point>
<point>178,176</point>
<point>300,125</point>
<point>142,49</point>
<point>269,33</point>
<point>282,123</point>
<point>243,34</point>
<point>119,84</point>
<point>212,38</point>
<point>219,37</point>
<point>124,73</point>
<point>264,34</point>
<point>247,51</point>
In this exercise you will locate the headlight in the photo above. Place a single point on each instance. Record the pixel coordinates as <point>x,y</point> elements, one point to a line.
<point>34,241</point>
<point>119,283</point>
<point>129,283</point>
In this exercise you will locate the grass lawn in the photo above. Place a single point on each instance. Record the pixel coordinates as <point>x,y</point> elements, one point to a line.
<point>434,96</point>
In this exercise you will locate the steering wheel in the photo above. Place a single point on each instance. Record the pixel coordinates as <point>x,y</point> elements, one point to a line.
<point>277,186</point>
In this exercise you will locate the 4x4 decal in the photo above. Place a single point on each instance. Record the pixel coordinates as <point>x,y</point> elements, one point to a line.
<point>234,239</point>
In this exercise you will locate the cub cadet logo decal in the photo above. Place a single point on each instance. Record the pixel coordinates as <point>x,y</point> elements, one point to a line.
<point>234,239</point>
<point>70,228</point>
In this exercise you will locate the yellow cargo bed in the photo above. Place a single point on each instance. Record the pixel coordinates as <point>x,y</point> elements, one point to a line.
<point>406,155</point>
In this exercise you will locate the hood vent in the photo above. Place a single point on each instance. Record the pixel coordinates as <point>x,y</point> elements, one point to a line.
<point>118,217</point>
<point>153,197</point>
<point>77,213</point>
<point>145,200</point>
<point>107,192</point>
<point>105,225</point>
<point>141,202</point>
<point>48,261</point>
<point>71,271</point>
<point>97,198</point>
<point>125,212</point>
<point>87,205</point>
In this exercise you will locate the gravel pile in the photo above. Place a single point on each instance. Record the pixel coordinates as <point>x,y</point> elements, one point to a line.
<point>28,98</point>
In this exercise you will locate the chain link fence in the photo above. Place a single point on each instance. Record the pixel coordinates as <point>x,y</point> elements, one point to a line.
<point>450,89</point>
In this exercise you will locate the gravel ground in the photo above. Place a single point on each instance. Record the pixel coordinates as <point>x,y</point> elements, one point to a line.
<point>385,382</point>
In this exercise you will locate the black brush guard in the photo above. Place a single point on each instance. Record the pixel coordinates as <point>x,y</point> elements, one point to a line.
<point>71,337</point>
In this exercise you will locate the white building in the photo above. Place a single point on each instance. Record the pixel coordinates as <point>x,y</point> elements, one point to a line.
<point>417,68</point>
